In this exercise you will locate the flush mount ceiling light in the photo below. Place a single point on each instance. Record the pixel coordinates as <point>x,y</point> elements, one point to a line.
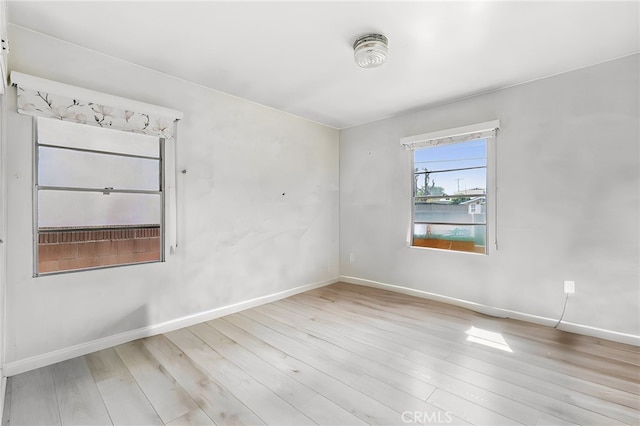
<point>370,50</point>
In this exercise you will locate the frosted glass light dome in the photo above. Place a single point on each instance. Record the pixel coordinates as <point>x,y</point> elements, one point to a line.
<point>370,50</point>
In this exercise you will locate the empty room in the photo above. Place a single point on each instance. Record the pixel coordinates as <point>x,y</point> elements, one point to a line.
<point>319,213</point>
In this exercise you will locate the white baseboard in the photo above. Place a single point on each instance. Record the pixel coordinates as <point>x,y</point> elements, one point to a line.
<point>629,339</point>
<point>27,364</point>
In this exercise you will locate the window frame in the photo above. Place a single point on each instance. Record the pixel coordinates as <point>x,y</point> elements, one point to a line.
<point>491,177</point>
<point>37,188</point>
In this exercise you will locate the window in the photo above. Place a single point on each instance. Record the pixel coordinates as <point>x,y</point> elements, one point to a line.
<point>451,188</point>
<point>100,177</point>
<point>99,197</point>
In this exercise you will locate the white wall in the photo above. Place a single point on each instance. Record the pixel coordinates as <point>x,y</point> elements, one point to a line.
<point>568,200</point>
<point>3,260</point>
<point>3,203</point>
<point>258,208</point>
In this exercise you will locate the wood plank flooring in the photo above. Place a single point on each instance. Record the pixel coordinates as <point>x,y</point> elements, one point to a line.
<point>340,355</point>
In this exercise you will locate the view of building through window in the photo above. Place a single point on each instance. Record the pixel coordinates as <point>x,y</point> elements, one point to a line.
<point>450,196</point>
<point>99,197</point>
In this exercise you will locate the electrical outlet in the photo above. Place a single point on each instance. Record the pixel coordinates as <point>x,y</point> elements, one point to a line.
<point>569,287</point>
<point>352,257</point>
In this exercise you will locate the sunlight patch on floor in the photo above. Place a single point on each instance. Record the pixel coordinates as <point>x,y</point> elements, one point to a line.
<point>488,338</point>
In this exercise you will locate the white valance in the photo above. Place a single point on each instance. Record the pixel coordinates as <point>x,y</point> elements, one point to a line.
<point>456,135</point>
<point>41,97</point>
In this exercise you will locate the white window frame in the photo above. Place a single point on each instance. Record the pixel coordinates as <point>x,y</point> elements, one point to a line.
<point>40,97</point>
<point>36,188</point>
<point>486,130</point>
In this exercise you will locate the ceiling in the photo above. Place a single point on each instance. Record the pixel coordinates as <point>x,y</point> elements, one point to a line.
<point>297,56</point>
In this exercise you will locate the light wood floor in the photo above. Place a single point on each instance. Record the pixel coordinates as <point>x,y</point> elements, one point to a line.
<point>341,355</point>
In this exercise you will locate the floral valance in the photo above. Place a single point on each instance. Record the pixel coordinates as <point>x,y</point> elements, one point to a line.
<point>459,134</point>
<point>40,97</point>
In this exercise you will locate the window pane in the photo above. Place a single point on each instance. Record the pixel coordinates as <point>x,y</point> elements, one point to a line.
<point>450,190</point>
<point>460,182</point>
<point>461,210</point>
<point>469,238</point>
<point>452,156</point>
<point>70,208</point>
<point>64,133</point>
<point>83,230</point>
<point>77,169</point>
